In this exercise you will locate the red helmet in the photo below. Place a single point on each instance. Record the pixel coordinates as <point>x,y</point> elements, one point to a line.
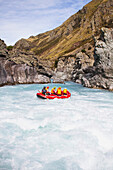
<point>47,87</point>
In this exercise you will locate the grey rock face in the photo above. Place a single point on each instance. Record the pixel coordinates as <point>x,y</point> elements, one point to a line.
<point>101,74</point>
<point>3,55</point>
<point>71,67</point>
<point>23,73</point>
<point>12,73</point>
<point>64,69</point>
<point>82,62</point>
<point>3,75</point>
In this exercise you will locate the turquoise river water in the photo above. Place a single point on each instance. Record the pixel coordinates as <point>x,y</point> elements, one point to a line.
<point>59,134</point>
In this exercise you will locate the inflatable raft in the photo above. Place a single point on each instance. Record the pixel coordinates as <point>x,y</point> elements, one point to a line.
<point>53,96</point>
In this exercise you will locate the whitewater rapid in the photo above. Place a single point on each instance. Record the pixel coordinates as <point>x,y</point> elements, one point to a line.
<point>59,134</point>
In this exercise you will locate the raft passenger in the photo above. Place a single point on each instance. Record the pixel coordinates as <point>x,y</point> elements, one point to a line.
<point>53,90</point>
<point>47,90</point>
<point>44,90</point>
<point>65,91</point>
<point>59,91</point>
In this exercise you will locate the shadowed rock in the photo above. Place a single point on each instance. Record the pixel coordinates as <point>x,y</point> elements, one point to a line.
<point>101,74</point>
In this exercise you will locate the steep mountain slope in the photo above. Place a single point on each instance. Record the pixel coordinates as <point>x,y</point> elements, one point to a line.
<point>78,30</point>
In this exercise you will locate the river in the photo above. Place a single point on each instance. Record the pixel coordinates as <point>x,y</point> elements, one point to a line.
<point>59,134</point>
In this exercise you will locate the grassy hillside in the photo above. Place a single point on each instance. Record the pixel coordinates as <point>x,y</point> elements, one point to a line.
<point>76,31</point>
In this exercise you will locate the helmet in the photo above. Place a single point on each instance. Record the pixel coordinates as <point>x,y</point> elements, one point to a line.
<point>54,87</point>
<point>47,87</point>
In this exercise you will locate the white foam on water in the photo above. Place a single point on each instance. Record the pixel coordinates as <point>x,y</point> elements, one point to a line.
<point>67,134</point>
<point>22,123</point>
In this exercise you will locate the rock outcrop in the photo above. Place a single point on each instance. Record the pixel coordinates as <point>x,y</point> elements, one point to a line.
<point>70,66</point>
<point>13,73</point>
<point>100,75</point>
<point>64,69</point>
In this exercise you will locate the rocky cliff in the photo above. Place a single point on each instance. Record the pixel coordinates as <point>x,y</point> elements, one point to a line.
<point>72,51</point>
<point>13,73</point>
<point>100,75</point>
<point>74,33</point>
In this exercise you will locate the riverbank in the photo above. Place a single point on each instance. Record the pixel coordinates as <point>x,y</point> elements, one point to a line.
<point>79,68</point>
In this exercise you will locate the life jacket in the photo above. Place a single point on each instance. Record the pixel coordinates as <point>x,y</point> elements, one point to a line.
<point>53,91</point>
<point>47,89</point>
<point>59,91</point>
<point>65,91</point>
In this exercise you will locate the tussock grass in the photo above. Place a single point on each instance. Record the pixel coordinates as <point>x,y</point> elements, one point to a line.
<point>61,43</point>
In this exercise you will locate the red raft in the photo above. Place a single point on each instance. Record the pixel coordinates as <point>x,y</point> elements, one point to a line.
<point>53,96</point>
